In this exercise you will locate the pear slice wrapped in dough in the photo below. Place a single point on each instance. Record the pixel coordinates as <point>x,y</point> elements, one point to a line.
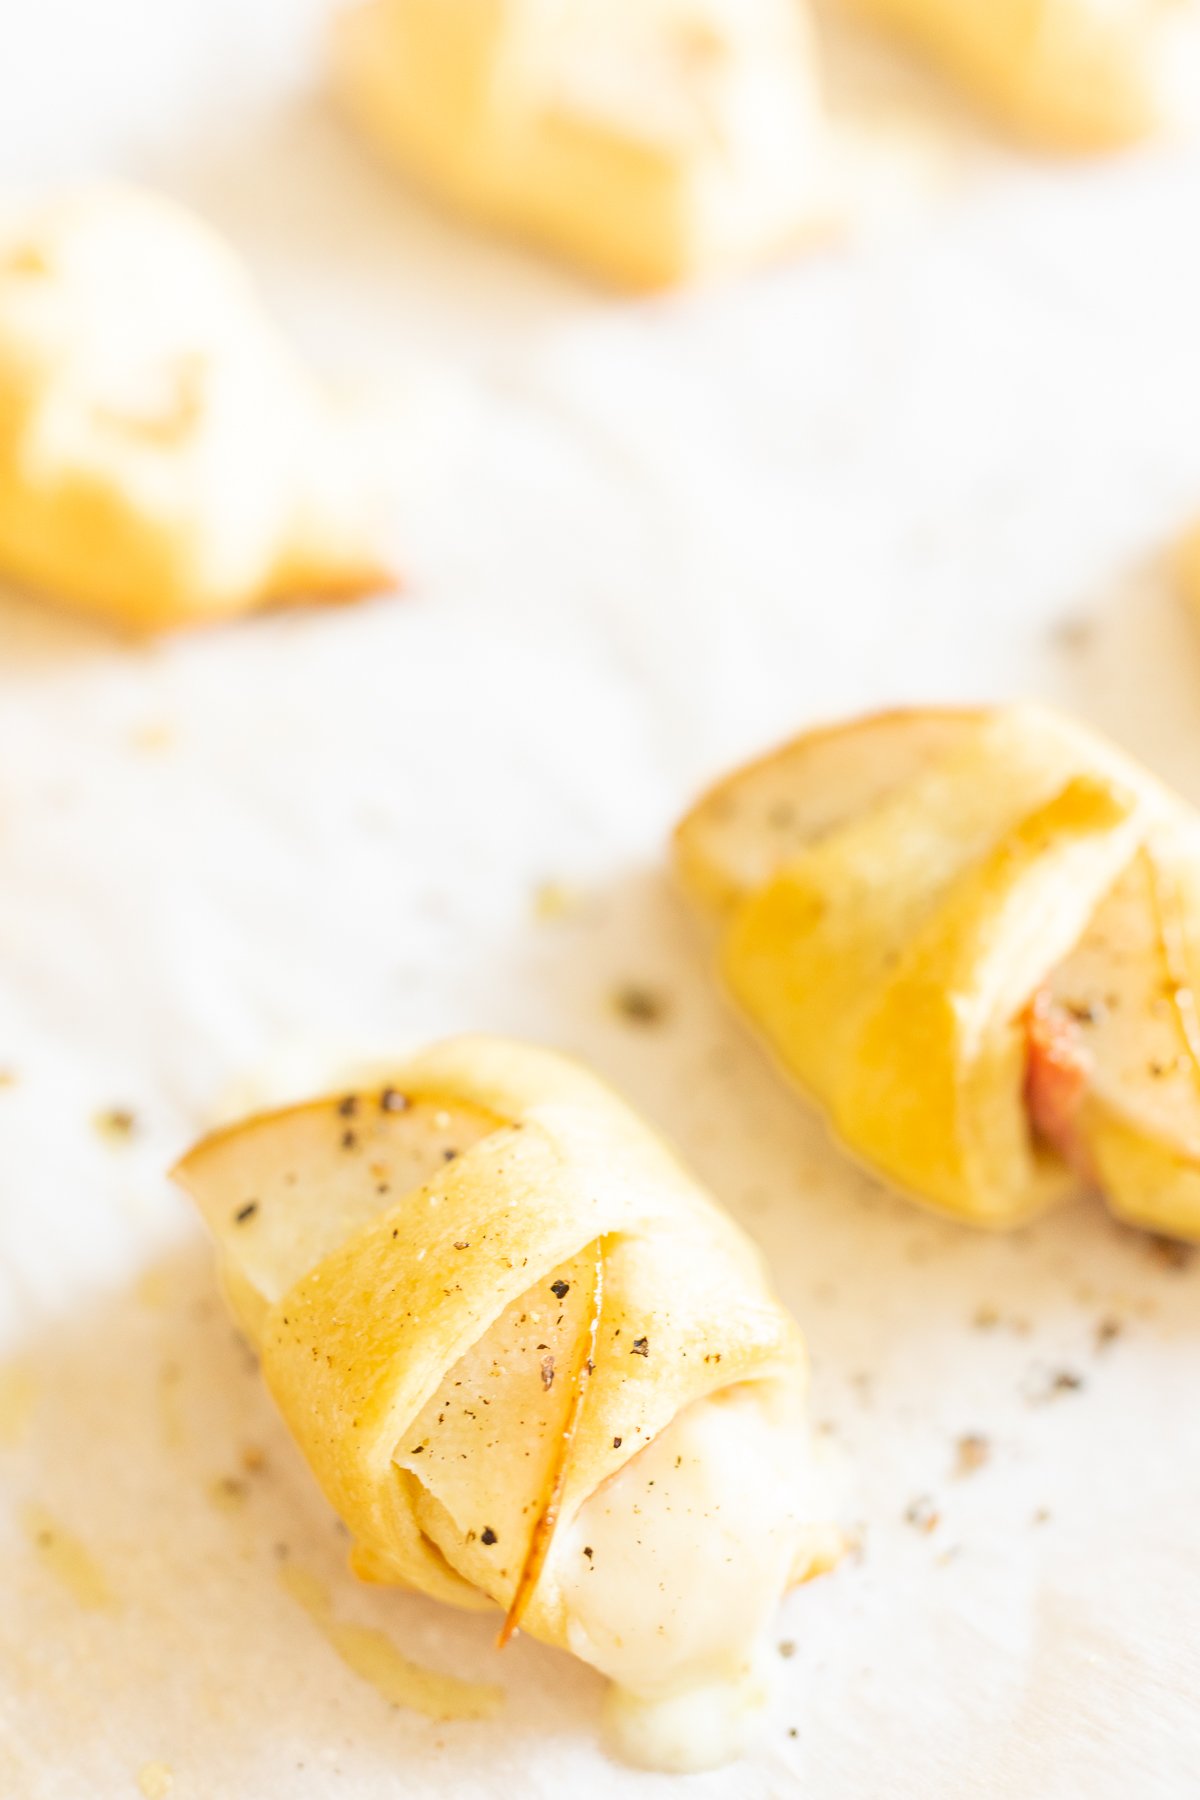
<point>1072,74</point>
<point>163,458</point>
<point>972,937</point>
<point>533,1367</point>
<point>649,140</point>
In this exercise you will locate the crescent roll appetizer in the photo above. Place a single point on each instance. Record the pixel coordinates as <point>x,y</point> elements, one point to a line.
<point>533,1367</point>
<point>973,938</point>
<point>649,140</point>
<point>1074,74</point>
<point>163,459</point>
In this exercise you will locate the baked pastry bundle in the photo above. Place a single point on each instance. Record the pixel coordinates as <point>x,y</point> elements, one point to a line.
<point>974,938</point>
<point>533,1367</point>
<point>1071,74</point>
<point>648,140</point>
<point>163,458</point>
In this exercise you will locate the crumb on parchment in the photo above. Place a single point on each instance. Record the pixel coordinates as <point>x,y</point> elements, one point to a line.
<point>922,1514</point>
<point>116,1123</point>
<point>639,1003</point>
<point>1042,1385</point>
<point>1171,1253</point>
<point>972,1452</point>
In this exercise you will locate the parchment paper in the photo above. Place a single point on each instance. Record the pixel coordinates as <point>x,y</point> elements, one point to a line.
<point>942,457</point>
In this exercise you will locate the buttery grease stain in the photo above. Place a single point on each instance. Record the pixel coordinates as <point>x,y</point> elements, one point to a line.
<point>17,1393</point>
<point>374,1658</point>
<point>170,1412</point>
<point>154,1289</point>
<point>155,1780</point>
<point>69,1561</point>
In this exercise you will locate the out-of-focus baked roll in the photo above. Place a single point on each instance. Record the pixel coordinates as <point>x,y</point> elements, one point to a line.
<point>1072,74</point>
<point>163,458</point>
<point>648,140</point>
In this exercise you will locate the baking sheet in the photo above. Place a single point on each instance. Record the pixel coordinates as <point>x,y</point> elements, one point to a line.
<point>941,458</point>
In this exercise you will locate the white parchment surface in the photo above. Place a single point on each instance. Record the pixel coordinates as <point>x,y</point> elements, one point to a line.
<point>941,458</point>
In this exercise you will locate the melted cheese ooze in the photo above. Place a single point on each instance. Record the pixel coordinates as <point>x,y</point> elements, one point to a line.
<point>692,1544</point>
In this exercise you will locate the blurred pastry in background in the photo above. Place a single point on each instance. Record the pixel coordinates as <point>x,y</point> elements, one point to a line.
<point>164,459</point>
<point>1073,75</point>
<point>535,1369</point>
<point>647,140</point>
<point>974,938</point>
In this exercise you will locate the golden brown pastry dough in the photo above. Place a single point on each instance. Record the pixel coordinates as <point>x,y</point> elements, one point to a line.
<point>1074,74</point>
<point>649,140</point>
<point>163,460</point>
<point>505,1329</point>
<point>972,937</point>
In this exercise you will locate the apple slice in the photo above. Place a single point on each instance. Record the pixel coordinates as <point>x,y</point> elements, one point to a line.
<point>281,1191</point>
<point>1059,1072</point>
<point>284,1190</point>
<point>554,1481</point>
<point>1114,1049</point>
<point>749,826</point>
<point>500,1426</point>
